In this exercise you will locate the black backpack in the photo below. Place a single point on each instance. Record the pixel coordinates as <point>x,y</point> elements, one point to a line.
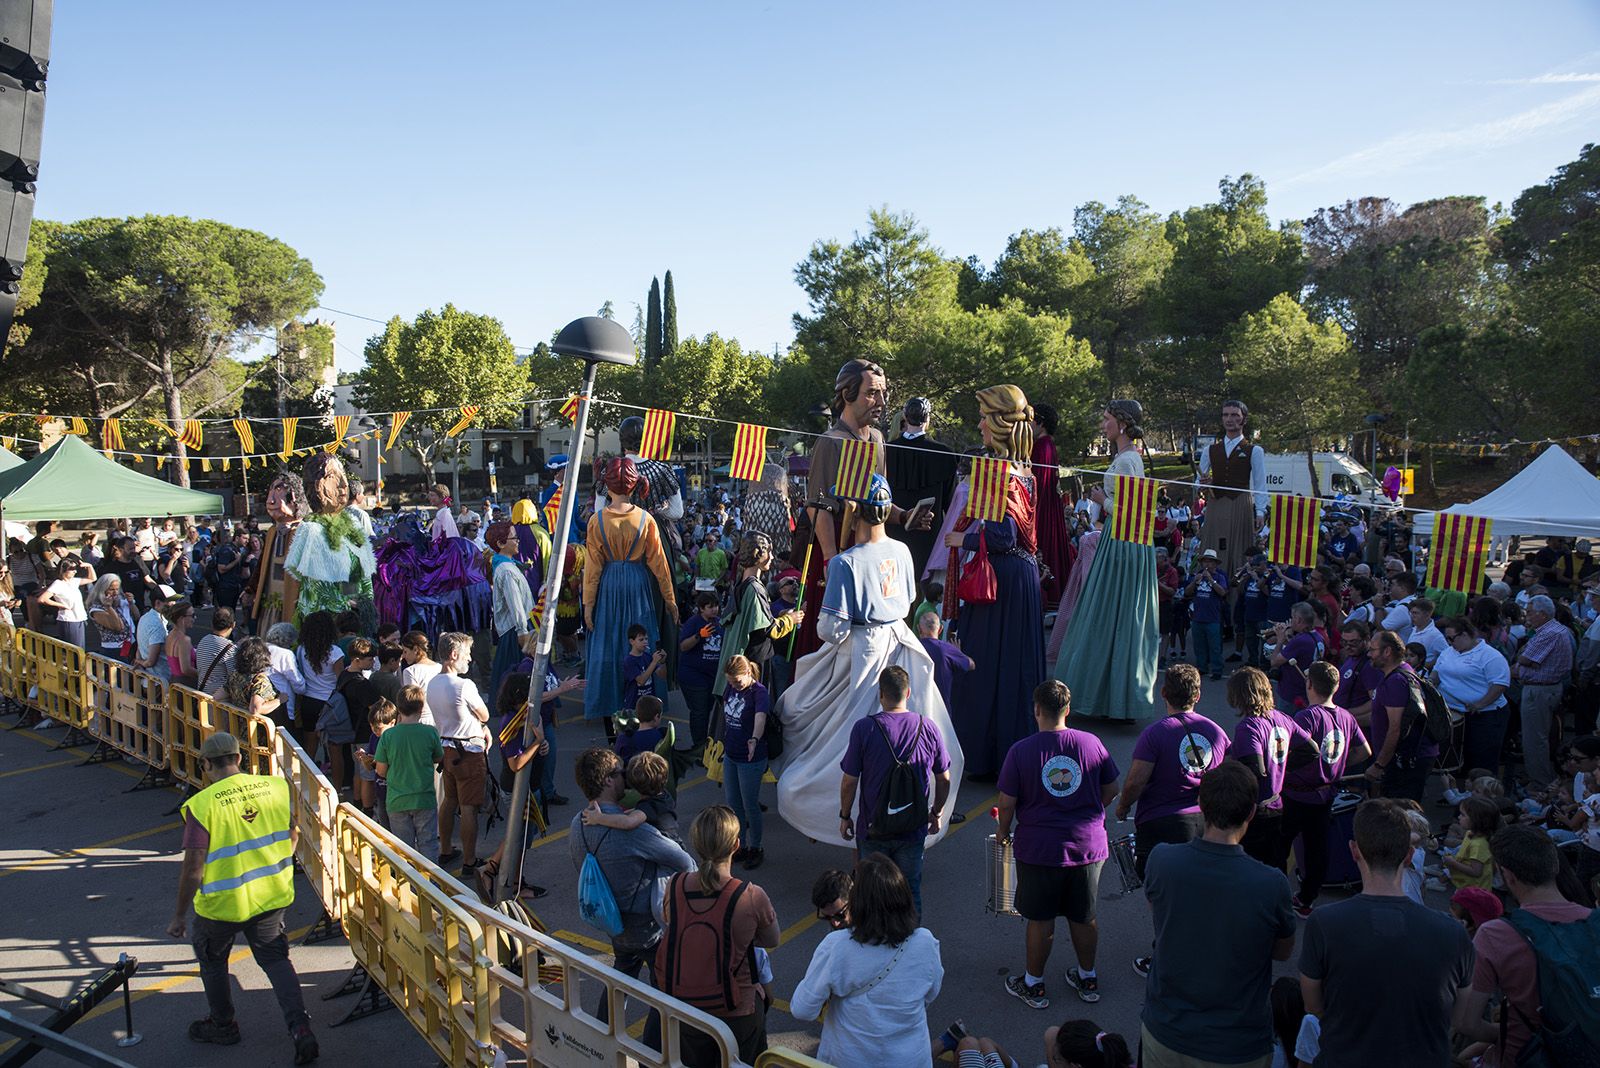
<point>1425,715</point>
<point>903,802</point>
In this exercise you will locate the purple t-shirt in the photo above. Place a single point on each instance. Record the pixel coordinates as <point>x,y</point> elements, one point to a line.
<point>1334,731</point>
<point>1304,650</point>
<point>948,661</point>
<point>698,666</point>
<point>916,741</point>
<point>1393,692</point>
<point>632,667</point>
<point>1207,602</point>
<point>739,710</point>
<point>1268,738</point>
<point>1057,777</point>
<point>1180,748</point>
<point>1357,679</point>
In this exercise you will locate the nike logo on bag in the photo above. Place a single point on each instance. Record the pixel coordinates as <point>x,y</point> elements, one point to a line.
<point>896,811</point>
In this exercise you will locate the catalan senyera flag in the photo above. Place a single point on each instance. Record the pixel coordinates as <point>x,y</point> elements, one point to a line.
<point>1295,524</point>
<point>80,426</point>
<point>657,441</point>
<point>569,410</point>
<point>247,438</point>
<point>469,412</point>
<point>552,508</point>
<point>986,497</point>
<point>1133,510</point>
<point>856,464</point>
<point>289,427</point>
<point>1460,551</point>
<point>341,428</point>
<point>164,428</point>
<point>749,452</point>
<point>194,435</point>
<point>397,420</point>
<point>111,434</point>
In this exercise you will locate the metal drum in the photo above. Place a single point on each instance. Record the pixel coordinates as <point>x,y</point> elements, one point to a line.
<point>1342,871</point>
<point>1122,852</point>
<point>1000,876</point>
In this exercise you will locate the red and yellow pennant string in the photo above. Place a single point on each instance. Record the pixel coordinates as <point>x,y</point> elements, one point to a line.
<point>986,499</point>
<point>341,430</point>
<point>289,428</point>
<point>80,426</point>
<point>856,463</point>
<point>469,412</point>
<point>749,452</point>
<point>193,436</point>
<point>1460,552</point>
<point>657,441</point>
<point>569,410</point>
<point>247,442</point>
<point>552,508</point>
<point>396,422</point>
<point>1295,530</point>
<point>111,436</point>
<point>1133,513</point>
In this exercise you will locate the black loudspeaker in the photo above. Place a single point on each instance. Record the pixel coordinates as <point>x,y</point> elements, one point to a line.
<point>24,65</point>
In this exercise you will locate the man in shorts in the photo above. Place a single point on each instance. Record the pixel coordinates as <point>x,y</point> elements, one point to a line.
<point>460,715</point>
<point>1056,785</point>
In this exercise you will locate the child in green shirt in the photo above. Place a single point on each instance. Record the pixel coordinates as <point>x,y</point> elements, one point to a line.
<point>407,754</point>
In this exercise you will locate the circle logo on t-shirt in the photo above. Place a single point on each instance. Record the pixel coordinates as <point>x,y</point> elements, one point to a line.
<point>1194,753</point>
<point>1333,746</point>
<point>1061,776</point>
<point>1277,745</point>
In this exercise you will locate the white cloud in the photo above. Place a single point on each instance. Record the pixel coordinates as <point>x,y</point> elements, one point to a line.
<point>1548,79</point>
<point>1409,149</point>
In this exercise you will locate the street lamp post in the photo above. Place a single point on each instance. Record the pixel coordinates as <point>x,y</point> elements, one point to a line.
<point>595,341</point>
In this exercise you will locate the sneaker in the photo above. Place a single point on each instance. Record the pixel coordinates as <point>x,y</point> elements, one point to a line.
<point>753,858</point>
<point>555,800</point>
<point>445,858</point>
<point>1087,986</point>
<point>1141,965</point>
<point>1031,996</point>
<point>1302,909</point>
<point>1233,657</point>
<point>213,1033</point>
<point>305,1044</point>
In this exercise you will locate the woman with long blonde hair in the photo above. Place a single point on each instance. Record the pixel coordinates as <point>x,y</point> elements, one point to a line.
<point>1108,657</point>
<point>993,703</point>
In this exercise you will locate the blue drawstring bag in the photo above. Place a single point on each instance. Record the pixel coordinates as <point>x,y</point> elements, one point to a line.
<point>596,903</point>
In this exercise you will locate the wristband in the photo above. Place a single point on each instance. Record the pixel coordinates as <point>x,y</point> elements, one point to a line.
<point>844,816</point>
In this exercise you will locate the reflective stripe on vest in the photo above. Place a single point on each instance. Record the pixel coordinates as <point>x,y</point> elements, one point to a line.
<point>249,865</point>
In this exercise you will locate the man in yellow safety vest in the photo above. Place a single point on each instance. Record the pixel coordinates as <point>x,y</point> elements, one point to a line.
<point>238,872</point>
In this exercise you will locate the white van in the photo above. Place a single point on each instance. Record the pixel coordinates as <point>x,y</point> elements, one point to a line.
<point>1337,474</point>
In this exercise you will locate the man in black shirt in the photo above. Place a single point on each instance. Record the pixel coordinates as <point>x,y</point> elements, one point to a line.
<point>1382,972</point>
<point>123,562</point>
<point>917,468</point>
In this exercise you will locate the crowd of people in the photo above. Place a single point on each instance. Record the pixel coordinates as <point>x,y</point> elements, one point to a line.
<point>876,646</point>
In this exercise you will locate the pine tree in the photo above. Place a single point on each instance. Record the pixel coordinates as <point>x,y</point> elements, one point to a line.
<point>652,327</point>
<point>669,319</point>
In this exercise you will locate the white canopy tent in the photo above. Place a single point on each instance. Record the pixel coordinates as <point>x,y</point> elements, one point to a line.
<point>1554,495</point>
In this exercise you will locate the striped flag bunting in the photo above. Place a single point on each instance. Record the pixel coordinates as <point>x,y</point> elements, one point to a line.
<point>80,426</point>
<point>469,412</point>
<point>552,508</point>
<point>569,410</point>
<point>341,428</point>
<point>1459,553</point>
<point>111,434</point>
<point>247,439</point>
<point>289,428</point>
<point>205,463</point>
<point>986,499</point>
<point>855,468</point>
<point>1295,524</point>
<point>396,422</point>
<point>1133,513</point>
<point>10,444</point>
<point>163,427</point>
<point>193,435</point>
<point>749,452</point>
<point>657,441</point>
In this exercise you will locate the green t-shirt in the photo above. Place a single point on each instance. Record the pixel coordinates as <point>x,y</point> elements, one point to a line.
<point>410,750</point>
<point>712,563</point>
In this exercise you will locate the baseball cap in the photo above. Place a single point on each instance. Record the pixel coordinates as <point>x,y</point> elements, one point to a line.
<point>218,745</point>
<point>877,493</point>
<point>165,592</point>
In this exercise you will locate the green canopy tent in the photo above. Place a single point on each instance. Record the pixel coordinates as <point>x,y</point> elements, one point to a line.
<point>9,459</point>
<point>71,481</point>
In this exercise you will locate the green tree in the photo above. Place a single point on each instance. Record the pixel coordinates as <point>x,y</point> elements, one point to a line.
<point>148,308</point>
<point>652,327</point>
<point>1297,374</point>
<point>711,376</point>
<point>1128,250</point>
<point>288,381</point>
<point>669,317</point>
<point>1041,269</point>
<point>442,359</point>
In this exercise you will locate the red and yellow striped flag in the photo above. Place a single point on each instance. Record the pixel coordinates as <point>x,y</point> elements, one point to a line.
<point>111,434</point>
<point>80,426</point>
<point>194,435</point>
<point>657,441</point>
<point>1133,510</point>
<point>247,437</point>
<point>1295,524</point>
<point>289,428</point>
<point>749,452</point>
<point>1459,553</point>
<point>469,412</point>
<point>569,410</point>
<point>552,508</point>
<point>341,428</point>
<point>986,496</point>
<point>396,421</point>
<point>856,463</point>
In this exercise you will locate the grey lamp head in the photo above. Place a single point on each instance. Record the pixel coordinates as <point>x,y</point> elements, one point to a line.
<point>596,339</point>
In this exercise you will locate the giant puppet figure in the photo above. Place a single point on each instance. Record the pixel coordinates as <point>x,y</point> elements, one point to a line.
<point>1233,474</point>
<point>275,587</point>
<point>860,396</point>
<point>331,556</point>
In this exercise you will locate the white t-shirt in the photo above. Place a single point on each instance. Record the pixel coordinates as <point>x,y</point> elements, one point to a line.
<point>1398,617</point>
<point>320,683</point>
<point>1431,641</point>
<point>69,593</point>
<point>1466,677</point>
<point>887,1021</point>
<point>451,699</point>
<point>420,675</point>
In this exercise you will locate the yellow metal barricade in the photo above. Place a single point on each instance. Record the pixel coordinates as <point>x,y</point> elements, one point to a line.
<point>12,670</point>
<point>58,685</point>
<point>543,1022</point>
<point>129,709</point>
<point>315,805</point>
<point>415,940</point>
<point>192,717</point>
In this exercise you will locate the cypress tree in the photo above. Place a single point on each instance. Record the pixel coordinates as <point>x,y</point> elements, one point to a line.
<point>669,319</point>
<point>652,326</point>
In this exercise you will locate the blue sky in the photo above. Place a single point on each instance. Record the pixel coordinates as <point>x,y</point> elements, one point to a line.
<point>533,160</point>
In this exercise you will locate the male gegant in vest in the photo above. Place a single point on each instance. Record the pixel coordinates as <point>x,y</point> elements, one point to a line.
<point>1233,474</point>
<point>238,873</point>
